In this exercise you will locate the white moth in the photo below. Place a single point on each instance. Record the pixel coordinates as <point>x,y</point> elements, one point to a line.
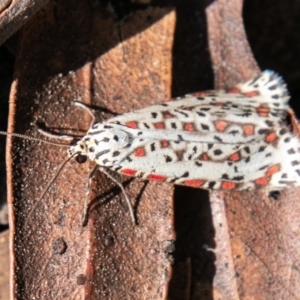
<point>242,139</point>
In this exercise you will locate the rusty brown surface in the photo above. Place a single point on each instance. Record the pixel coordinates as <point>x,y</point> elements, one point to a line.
<point>231,246</point>
<point>14,14</point>
<point>4,263</point>
<point>232,59</point>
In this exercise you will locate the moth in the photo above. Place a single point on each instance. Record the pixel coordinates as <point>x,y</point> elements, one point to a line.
<point>236,140</point>
<point>242,139</point>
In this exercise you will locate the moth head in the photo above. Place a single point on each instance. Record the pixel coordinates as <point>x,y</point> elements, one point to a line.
<point>79,151</point>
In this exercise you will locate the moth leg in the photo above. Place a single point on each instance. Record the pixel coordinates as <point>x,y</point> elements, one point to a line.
<point>101,169</point>
<point>87,109</point>
<point>85,205</point>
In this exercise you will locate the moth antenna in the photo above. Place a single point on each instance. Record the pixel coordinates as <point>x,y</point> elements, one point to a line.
<point>30,138</point>
<point>50,183</point>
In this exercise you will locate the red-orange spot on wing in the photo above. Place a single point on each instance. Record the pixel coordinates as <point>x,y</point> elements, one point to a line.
<point>251,94</point>
<point>140,152</point>
<point>159,125</point>
<point>248,129</point>
<point>271,137</point>
<point>272,170</point>
<point>199,94</point>
<point>189,127</point>
<point>132,124</point>
<point>156,177</point>
<point>234,91</point>
<point>227,185</point>
<point>167,115</point>
<point>129,172</point>
<point>194,183</point>
<point>263,111</point>
<point>262,181</point>
<point>221,125</point>
<point>219,104</point>
<point>204,156</point>
<point>235,157</point>
<point>164,143</point>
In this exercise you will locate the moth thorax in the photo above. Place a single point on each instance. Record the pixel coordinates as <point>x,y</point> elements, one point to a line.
<point>109,146</point>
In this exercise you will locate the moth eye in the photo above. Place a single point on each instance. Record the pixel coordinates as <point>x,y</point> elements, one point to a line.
<point>81,158</point>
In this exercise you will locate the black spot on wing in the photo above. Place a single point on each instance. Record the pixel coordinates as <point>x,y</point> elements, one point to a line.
<point>295,163</point>
<point>116,153</point>
<point>205,108</point>
<point>273,87</point>
<point>238,178</point>
<point>211,184</point>
<point>263,131</point>
<point>218,139</point>
<point>247,150</point>
<point>263,167</point>
<point>287,140</point>
<point>218,152</point>
<point>204,127</point>
<point>282,131</point>
<point>275,97</point>
<point>261,148</point>
<point>99,154</point>
<point>181,112</point>
<point>269,123</point>
<point>233,132</point>
<point>291,151</point>
<point>168,158</point>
